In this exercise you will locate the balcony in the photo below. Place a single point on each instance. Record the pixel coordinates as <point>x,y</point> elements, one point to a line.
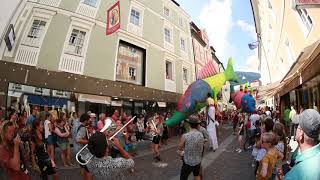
<point>71,63</point>
<point>27,55</point>
<point>170,85</point>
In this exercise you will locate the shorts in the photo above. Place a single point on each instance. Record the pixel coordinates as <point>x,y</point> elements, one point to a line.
<point>51,140</point>
<point>64,145</point>
<point>156,139</point>
<point>187,169</point>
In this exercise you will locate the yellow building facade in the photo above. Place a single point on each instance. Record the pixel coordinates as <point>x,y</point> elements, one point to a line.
<point>283,31</point>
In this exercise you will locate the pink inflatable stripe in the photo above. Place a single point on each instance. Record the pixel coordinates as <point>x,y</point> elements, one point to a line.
<point>208,70</point>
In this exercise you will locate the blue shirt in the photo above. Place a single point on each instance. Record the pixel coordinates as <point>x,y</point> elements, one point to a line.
<point>30,119</point>
<point>307,165</point>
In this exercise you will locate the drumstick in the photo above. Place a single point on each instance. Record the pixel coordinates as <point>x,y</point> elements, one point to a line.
<point>122,128</point>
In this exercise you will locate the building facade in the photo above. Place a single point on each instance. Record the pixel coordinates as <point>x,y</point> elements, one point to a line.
<point>203,52</point>
<point>289,46</point>
<point>151,52</point>
<point>284,30</point>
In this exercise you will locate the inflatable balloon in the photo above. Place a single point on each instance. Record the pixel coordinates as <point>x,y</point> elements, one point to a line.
<point>243,101</point>
<point>196,94</point>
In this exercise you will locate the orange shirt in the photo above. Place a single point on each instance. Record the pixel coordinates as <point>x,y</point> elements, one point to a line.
<point>271,160</point>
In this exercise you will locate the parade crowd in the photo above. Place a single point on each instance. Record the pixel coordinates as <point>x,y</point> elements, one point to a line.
<point>30,142</point>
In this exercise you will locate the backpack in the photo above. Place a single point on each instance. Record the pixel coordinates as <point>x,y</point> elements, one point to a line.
<point>248,124</point>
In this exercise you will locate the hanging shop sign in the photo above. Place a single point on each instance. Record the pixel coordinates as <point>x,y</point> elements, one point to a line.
<point>113,18</point>
<point>10,37</point>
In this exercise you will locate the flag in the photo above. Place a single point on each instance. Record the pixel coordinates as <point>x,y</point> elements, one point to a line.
<point>253,45</point>
<point>113,18</point>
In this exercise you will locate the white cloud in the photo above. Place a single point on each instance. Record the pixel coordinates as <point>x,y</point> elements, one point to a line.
<point>216,18</point>
<point>252,62</point>
<point>249,28</point>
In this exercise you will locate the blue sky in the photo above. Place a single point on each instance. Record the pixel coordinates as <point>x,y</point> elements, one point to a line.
<point>230,26</point>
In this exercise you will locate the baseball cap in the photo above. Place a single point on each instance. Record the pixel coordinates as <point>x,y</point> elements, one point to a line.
<point>97,144</point>
<point>309,121</point>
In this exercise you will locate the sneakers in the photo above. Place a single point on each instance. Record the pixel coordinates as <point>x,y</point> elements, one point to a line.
<point>239,150</point>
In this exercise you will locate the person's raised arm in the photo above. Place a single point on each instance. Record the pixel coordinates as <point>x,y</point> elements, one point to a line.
<point>14,162</point>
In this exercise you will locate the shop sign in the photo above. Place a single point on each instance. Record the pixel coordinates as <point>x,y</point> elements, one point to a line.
<point>300,4</point>
<point>162,104</point>
<point>116,103</point>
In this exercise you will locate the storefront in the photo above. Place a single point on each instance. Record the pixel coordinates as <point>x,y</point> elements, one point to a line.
<point>74,84</point>
<point>301,85</point>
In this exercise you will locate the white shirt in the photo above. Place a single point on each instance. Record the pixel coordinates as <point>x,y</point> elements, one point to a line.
<point>46,128</point>
<point>253,119</point>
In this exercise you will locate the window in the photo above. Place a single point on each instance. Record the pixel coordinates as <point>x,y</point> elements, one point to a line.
<point>132,73</point>
<point>305,19</point>
<point>36,31</point>
<point>76,41</point>
<point>166,11</point>
<point>183,44</point>
<point>185,76</point>
<point>181,24</point>
<point>130,64</point>
<point>169,70</point>
<point>90,2</point>
<point>135,17</point>
<point>167,35</point>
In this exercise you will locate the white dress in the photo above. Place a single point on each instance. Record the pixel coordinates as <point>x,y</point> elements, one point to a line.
<point>211,128</point>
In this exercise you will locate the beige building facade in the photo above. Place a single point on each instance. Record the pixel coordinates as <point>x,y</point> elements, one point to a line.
<point>283,30</point>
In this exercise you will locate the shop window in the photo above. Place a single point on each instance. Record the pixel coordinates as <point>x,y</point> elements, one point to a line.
<point>169,70</point>
<point>76,41</point>
<point>130,64</point>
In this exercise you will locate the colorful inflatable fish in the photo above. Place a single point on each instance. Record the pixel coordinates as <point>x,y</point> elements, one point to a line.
<point>244,101</point>
<point>196,94</point>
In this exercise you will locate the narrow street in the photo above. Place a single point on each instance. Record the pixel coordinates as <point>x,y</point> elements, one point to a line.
<point>225,163</point>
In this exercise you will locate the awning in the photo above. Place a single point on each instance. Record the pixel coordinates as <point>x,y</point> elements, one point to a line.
<point>94,99</point>
<point>269,90</point>
<point>46,100</point>
<point>294,77</point>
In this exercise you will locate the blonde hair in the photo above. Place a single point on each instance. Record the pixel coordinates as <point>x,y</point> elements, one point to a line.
<point>269,137</point>
<point>210,101</point>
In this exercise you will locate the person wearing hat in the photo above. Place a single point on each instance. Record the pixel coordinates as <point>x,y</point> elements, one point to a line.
<point>211,123</point>
<point>307,161</point>
<point>191,148</point>
<point>103,166</point>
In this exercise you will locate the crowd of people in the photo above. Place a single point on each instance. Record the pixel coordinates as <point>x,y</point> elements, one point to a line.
<point>273,157</point>
<point>31,142</point>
